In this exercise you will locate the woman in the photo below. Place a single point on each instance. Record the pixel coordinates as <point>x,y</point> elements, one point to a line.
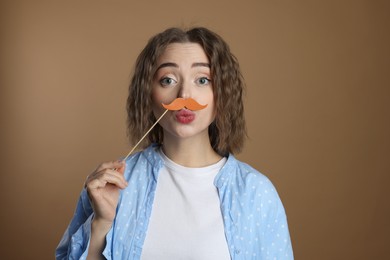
<point>185,196</point>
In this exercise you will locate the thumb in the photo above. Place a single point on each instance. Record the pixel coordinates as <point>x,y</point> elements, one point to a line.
<point>121,169</point>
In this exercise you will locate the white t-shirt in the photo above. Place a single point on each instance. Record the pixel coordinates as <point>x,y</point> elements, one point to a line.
<point>186,220</point>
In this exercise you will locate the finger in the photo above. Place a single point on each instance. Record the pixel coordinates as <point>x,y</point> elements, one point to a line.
<point>110,165</point>
<point>106,166</point>
<point>101,173</point>
<point>117,172</point>
<point>100,179</point>
<point>121,169</point>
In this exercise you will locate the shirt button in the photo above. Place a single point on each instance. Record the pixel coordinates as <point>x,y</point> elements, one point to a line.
<point>237,251</point>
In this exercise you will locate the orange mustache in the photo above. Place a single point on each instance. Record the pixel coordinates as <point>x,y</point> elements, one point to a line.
<point>180,103</point>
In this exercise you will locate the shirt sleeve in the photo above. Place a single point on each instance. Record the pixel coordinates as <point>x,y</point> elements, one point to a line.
<point>75,241</point>
<point>276,242</point>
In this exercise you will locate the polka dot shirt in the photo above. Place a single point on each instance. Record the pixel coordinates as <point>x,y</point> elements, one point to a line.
<point>254,219</point>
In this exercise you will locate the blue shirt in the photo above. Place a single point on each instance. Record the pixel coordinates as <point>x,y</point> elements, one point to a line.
<point>255,222</point>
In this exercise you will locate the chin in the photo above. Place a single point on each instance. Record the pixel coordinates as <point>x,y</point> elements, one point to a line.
<point>185,132</point>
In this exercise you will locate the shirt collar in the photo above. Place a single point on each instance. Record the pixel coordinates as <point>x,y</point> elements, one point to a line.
<point>153,157</point>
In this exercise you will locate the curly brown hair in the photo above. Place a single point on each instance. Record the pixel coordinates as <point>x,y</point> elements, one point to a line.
<point>228,131</point>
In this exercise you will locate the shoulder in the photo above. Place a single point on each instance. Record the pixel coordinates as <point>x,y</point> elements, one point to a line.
<point>244,175</point>
<point>144,162</point>
<point>248,183</point>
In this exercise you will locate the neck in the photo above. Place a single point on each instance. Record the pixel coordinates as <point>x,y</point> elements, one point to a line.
<point>189,152</point>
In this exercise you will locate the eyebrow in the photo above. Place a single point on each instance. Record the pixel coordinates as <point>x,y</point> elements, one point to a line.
<point>167,64</point>
<point>172,64</point>
<point>200,64</point>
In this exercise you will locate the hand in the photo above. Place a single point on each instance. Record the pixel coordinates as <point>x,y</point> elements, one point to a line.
<point>103,187</point>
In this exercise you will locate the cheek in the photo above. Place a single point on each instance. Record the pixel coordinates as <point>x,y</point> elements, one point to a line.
<point>213,113</point>
<point>157,98</point>
<point>211,109</point>
<point>160,97</point>
<point>156,107</point>
<point>210,101</point>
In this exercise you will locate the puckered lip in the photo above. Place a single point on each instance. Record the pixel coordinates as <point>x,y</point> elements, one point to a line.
<point>185,116</point>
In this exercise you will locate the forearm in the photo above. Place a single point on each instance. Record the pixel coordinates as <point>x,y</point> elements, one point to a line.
<point>99,230</point>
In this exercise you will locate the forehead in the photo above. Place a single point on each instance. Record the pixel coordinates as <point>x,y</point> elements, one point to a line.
<point>181,53</point>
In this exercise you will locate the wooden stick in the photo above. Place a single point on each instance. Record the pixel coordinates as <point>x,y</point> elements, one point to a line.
<point>143,137</point>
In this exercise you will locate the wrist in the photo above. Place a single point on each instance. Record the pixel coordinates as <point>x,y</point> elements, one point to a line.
<point>101,224</point>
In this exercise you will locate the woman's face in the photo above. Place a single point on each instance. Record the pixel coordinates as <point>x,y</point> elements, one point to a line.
<point>183,70</point>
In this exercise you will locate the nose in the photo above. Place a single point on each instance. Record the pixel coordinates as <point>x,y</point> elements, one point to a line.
<point>185,90</point>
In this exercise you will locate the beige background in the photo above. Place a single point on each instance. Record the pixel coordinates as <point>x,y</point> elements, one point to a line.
<point>317,110</point>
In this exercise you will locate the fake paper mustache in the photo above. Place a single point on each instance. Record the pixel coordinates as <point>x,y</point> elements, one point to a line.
<point>180,103</point>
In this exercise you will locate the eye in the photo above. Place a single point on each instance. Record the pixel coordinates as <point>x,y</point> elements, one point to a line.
<point>203,81</point>
<point>167,81</point>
